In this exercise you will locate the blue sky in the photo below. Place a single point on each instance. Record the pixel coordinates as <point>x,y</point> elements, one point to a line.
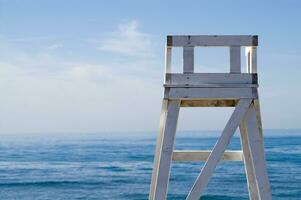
<point>94,66</point>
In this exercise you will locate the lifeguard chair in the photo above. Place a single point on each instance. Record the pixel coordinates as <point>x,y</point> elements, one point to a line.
<point>234,89</point>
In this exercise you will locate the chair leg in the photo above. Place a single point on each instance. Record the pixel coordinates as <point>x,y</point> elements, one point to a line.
<point>249,168</point>
<point>258,116</point>
<point>164,149</point>
<point>257,154</point>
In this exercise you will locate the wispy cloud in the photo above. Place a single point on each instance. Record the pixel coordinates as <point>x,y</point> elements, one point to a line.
<point>47,90</point>
<point>55,46</point>
<point>57,95</point>
<point>28,39</point>
<point>127,40</point>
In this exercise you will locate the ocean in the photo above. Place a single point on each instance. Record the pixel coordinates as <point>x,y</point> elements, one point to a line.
<point>111,166</point>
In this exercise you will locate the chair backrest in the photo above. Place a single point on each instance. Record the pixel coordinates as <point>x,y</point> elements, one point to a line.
<point>234,42</point>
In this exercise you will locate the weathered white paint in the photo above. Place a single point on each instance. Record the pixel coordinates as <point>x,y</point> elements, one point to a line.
<point>196,79</point>
<point>258,116</point>
<point>168,56</point>
<point>214,86</point>
<point>166,148</point>
<point>211,40</point>
<point>210,93</point>
<point>251,58</point>
<point>249,168</point>
<point>257,154</point>
<point>158,148</point>
<point>248,61</point>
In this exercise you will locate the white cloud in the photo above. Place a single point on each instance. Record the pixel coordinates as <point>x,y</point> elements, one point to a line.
<point>127,40</point>
<point>56,46</point>
<point>44,92</point>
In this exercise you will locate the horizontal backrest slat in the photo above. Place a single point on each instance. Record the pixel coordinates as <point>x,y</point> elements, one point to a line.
<point>211,40</point>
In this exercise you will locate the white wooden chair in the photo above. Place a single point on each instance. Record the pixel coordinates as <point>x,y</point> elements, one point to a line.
<point>235,89</point>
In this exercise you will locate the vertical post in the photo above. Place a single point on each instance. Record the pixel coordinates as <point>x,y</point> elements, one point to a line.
<point>258,117</point>
<point>248,62</point>
<point>162,172</point>
<point>168,54</point>
<point>249,168</point>
<point>158,148</point>
<point>251,58</point>
<point>257,155</point>
<point>235,60</point>
<point>188,60</point>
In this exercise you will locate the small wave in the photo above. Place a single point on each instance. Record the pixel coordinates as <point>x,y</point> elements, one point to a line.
<point>50,183</point>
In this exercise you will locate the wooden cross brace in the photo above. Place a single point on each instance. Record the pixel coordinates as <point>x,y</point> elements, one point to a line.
<point>244,117</point>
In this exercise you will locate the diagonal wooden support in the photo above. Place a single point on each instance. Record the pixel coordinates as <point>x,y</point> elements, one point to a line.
<point>164,149</point>
<point>218,150</point>
<point>257,154</point>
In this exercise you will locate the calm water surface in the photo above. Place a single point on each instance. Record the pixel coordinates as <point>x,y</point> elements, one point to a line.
<point>93,166</point>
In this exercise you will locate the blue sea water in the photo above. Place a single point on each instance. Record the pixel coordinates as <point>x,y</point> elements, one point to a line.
<point>98,166</point>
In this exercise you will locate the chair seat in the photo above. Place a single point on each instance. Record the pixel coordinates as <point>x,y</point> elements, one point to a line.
<point>194,93</point>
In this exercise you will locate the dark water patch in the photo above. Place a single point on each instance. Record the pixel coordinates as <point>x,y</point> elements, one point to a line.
<point>114,168</point>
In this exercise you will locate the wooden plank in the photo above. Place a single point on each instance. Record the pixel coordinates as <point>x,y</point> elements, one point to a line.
<point>210,78</point>
<point>192,155</point>
<point>249,168</point>
<point>158,148</point>
<point>209,93</point>
<point>188,60</point>
<point>165,158</point>
<point>168,56</point>
<point>212,40</point>
<point>251,58</point>
<point>218,150</point>
<point>209,103</point>
<point>257,154</point>
<point>235,59</point>
<point>237,85</point>
<point>248,59</point>
<point>258,117</point>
